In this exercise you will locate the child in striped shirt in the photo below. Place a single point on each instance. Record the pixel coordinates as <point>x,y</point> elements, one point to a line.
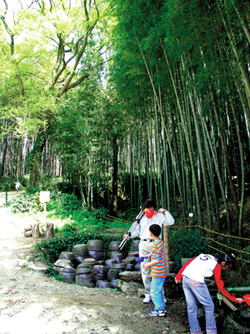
<point>159,272</point>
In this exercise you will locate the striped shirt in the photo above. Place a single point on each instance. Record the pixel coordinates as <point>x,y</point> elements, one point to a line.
<point>159,269</point>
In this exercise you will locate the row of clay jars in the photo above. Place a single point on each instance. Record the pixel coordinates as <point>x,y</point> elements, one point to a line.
<point>94,249</point>
<point>84,276</point>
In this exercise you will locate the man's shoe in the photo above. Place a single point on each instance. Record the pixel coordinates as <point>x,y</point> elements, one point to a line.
<point>147,299</point>
<point>156,313</point>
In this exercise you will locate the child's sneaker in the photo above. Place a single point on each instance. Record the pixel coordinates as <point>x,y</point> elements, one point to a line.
<point>157,313</point>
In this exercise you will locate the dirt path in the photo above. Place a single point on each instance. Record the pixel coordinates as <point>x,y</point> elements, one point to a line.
<point>32,303</point>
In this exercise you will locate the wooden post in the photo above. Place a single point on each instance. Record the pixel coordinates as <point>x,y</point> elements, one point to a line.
<point>36,231</point>
<point>165,229</point>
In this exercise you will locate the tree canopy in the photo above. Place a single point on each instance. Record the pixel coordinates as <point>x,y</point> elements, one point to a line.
<point>133,99</point>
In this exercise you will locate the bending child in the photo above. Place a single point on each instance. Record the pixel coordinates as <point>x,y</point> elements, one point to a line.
<point>159,272</point>
<point>194,286</point>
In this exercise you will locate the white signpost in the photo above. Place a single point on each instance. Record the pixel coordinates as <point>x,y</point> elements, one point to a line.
<point>44,198</point>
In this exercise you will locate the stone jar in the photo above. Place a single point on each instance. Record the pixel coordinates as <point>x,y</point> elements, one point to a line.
<point>68,275</point>
<point>113,274</point>
<point>84,277</point>
<point>109,263</point>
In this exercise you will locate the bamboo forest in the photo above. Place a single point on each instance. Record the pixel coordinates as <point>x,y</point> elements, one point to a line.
<point>124,100</point>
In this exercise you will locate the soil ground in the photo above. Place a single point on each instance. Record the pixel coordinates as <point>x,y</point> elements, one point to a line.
<point>31,302</point>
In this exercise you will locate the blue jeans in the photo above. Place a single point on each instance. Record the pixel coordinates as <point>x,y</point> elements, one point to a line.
<point>157,293</point>
<point>199,290</point>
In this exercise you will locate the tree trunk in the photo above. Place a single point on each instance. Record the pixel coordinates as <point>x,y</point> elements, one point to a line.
<point>36,231</point>
<point>5,144</point>
<point>115,175</point>
<point>49,232</point>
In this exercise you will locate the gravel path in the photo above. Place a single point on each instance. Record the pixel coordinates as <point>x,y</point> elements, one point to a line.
<point>32,303</point>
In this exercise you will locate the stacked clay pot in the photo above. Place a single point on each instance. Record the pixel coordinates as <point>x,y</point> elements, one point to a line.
<point>102,282</point>
<point>69,256</point>
<point>68,275</point>
<point>96,249</point>
<point>113,246</point>
<point>80,253</point>
<point>84,277</point>
<point>113,274</point>
<point>109,263</point>
<point>91,269</point>
<point>90,262</point>
<point>60,264</point>
<point>117,256</point>
<point>130,263</point>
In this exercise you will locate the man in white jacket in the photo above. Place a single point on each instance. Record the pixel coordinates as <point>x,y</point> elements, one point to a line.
<point>150,217</point>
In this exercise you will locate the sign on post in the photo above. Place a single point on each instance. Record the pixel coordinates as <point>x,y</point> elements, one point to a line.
<point>44,196</point>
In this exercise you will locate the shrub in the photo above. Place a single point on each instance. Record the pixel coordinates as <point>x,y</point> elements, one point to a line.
<point>186,244</point>
<point>24,202</point>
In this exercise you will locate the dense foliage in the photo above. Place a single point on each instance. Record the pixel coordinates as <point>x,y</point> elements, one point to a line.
<point>131,100</point>
<point>186,244</point>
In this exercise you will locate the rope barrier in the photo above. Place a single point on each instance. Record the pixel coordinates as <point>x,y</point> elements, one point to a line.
<point>238,258</point>
<point>241,251</point>
<point>224,235</point>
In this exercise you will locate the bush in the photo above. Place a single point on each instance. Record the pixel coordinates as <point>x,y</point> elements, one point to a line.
<point>24,202</point>
<point>186,244</point>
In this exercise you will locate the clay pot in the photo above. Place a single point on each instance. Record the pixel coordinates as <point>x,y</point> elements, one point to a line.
<point>84,270</point>
<point>84,265</point>
<point>120,266</point>
<point>95,245</point>
<point>91,262</point>
<point>66,255</point>
<point>96,268</point>
<point>63,263</point>
<point>68,275</point>
<point>113,246</point>
<point>103,284</point>
<point>97,255</point>
<point>102,274</point>
<point>109,263</point>
<point>135,246</point>
<point>113,274</point>
<point>117,256</point>
<point>80,250</point>
<point>85,278</point>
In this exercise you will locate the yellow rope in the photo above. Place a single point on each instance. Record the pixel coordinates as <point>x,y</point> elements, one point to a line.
<point>241,251</point>
<point>225,235</point>
<point>238,258</point>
